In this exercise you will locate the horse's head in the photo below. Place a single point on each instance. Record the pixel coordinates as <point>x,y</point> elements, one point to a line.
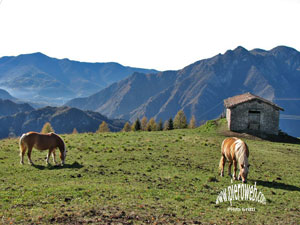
<point>244,170</point>
<point>64,154</point>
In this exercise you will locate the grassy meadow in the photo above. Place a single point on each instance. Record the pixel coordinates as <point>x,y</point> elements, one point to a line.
<point>163,177</point>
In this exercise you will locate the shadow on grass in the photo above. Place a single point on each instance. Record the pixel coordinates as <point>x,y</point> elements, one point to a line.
<point>277,185</point>
<point>74,165</point>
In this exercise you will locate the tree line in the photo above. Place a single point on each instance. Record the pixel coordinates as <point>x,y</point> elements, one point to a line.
<point>179,122</point>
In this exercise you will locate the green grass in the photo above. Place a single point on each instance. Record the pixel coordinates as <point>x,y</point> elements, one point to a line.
<point>146,177</point>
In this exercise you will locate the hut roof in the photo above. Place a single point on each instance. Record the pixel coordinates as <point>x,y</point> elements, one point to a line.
<point>238,99</point>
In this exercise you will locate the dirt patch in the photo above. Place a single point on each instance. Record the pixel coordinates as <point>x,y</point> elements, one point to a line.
<point>117,216</point>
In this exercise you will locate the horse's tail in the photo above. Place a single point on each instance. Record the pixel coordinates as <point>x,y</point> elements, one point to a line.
<point>22,145</point>
<point>220,164</point>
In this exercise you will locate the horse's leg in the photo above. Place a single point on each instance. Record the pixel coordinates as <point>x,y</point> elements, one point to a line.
<point>53,156</point>
<point>234,169</point>
<point>48,156</point>
<point>29,155</point>
<point>22,152</point>
<point>222,164</point>
<point>62,156</point>
<point>229,168</point>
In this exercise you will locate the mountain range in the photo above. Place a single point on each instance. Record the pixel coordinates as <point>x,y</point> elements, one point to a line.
<point>200,88</point>
<point>39,78</point>
<point>20,118</point>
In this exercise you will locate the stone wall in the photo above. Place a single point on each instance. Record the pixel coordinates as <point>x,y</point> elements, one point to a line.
<point>254,116</point>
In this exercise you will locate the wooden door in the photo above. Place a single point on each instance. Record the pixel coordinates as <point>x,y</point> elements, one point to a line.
<point>254,120</point>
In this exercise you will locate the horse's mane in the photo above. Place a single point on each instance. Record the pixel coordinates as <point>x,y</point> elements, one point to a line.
<point>242,151</point>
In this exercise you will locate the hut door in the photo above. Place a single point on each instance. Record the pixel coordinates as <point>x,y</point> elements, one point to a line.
<point>254,120</point>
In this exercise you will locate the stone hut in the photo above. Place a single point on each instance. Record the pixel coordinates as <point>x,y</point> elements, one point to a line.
<point>252,114</point>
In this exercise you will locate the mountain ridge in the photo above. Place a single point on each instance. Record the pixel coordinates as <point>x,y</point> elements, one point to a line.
<point>200,88</point>
<point>5,95</point>
<point>8,107</point>
<point>38,77</point>
<point>63,120</point>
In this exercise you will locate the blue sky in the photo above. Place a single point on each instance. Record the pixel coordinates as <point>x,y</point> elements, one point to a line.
<point>159,34</point>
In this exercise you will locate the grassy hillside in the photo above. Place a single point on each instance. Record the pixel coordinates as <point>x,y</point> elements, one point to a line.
<point>146,177</point>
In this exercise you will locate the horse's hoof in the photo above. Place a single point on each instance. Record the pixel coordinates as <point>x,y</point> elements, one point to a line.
<point>22,163</point>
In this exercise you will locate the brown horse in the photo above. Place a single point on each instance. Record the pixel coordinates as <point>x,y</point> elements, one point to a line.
<point>235,151</point>
<point>41,142</point>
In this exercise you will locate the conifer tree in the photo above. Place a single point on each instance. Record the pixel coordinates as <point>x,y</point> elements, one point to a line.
<point>137,125</point>
<point>126,127</point>
<point>160,125</point>
<point>151,126</point>
<point>180,120</point>
<point>168,125</point>
<point>75,131</point>
<point>47,128</point>
<point>103,127</point>
<point>192,123</point>
<point>144,123</point>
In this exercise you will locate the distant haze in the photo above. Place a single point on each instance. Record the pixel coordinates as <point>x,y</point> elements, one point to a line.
<point>50,81</point>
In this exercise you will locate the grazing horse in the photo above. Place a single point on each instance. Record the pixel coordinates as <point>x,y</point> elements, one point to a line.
<point>41,142</point>
<point>235,151</point>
